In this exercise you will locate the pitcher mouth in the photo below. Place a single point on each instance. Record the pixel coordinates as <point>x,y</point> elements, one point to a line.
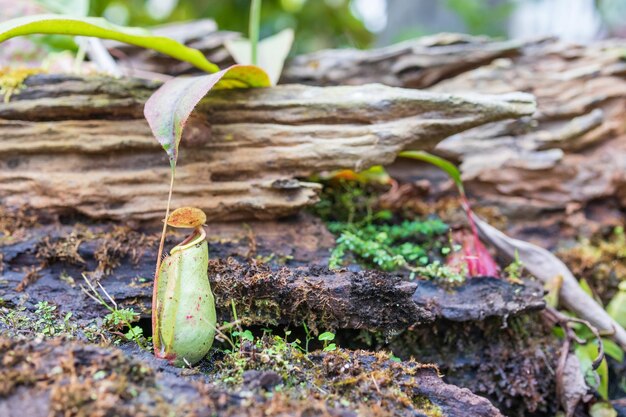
<point>198,235</point>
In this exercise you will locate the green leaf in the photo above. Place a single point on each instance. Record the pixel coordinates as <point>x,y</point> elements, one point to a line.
<point>441,163</point>
<point>613,350</point>
<point>617,306</point>
<point>101,28</point>
<point>168,109</point>
<point>326,336</point>
<point>247,335</point>
<point>330,347</point>
<point>272,52</point>
<point>133,333</point>
<point>586,354</point>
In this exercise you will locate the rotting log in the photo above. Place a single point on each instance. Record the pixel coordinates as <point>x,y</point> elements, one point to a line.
<point>82,145</point>
<point>417,63</point>
<point>454,327</point>
<point>567,163</point>
<point>264,293</point>
<point>55,377</point>
<point>564,165</point>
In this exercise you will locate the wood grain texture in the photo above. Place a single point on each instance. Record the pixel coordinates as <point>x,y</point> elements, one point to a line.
<point>81,144</point>
<point>569,158</point>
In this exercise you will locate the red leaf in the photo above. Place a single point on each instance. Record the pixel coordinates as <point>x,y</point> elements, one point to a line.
<point>474,256</point>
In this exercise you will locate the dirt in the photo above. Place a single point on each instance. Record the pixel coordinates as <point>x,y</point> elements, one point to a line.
<point>57,378</point>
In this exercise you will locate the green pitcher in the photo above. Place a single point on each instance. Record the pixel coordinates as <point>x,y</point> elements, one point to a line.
<point>185,320</point>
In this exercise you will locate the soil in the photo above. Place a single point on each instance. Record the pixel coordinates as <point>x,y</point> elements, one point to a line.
<point>59,378</point>
<point>482,334</point>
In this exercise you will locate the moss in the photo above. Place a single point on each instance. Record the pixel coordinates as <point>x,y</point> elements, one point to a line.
<point>510,363</point>
<point>343,379</point>
<point>391,227</point>
<point>12,80</point>
<point>600,260</point>
<point>82,381</point>
<point>427,406</point>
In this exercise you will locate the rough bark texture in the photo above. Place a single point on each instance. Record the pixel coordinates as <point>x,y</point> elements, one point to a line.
<point>416,63</point>
<point>82,144</point>
<point>417,318</point>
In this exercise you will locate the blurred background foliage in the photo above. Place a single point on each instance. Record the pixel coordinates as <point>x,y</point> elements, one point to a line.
<point>321,24</point>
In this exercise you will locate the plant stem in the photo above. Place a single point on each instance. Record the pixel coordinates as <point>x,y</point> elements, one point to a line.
<point>253,29</point>
<point>155,337</point>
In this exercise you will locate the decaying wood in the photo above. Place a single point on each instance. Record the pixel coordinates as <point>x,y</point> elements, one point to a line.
<point>81,144</point>
<point>567,159</point>
<point>264,293</point>
<point>570,157</point>
<point>416,63</point>
<point>293,286</point>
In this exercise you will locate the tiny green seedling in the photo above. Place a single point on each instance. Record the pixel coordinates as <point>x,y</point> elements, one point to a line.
<point>327,337</point>
<point>118,318</point>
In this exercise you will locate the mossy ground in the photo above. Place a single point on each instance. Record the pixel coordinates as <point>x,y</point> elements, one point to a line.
<point>501,363</point>
<point>267,376</point>
<point>600,260</point>
<point>349,379</point>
